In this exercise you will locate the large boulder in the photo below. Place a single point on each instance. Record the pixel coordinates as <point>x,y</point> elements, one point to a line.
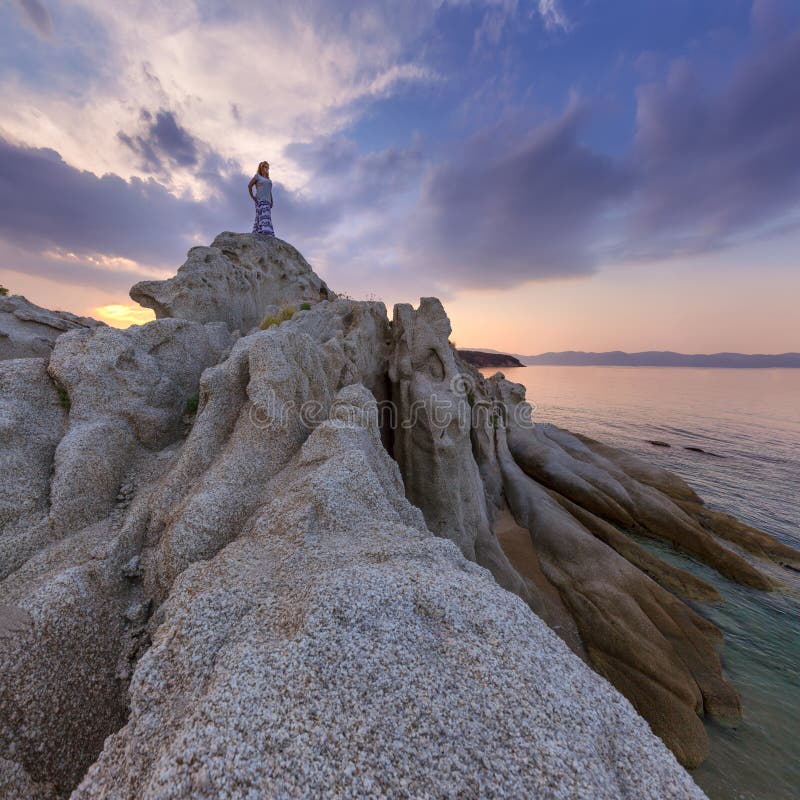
<point>339,649</point>
<point>299,607</point>
<point>255,409</point>
<point>28,330</point>
<point>653,647</point>
<point>127,391</point>
<point>235,281</point>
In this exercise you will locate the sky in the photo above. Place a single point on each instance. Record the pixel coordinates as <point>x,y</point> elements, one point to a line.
<point>563,174</point>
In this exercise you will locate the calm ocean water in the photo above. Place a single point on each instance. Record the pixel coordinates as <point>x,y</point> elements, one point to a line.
<point>751,420</point>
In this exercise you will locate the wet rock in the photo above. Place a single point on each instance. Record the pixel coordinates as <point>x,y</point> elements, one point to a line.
<point>694,449</point>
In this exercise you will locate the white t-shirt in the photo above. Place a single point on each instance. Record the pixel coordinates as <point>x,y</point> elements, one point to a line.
<point>263,188</point>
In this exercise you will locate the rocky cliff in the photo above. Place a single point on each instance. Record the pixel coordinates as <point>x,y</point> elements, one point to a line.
<point>322,559</point>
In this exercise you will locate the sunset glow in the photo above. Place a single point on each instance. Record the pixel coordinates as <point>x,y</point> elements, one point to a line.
<point>119,316</point>
<point>563,175</point>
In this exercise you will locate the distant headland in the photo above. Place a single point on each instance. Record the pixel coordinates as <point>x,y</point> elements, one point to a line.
<point>650,358</point>
<point>483,359</point>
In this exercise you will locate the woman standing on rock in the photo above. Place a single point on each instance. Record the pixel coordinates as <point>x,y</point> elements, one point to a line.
<point>262,199</point>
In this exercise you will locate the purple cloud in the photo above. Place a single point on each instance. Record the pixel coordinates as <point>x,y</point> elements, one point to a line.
<point>163,142</point>
<point>706,169</point>
<point>51,207</point>
<point>715,167</point>
<point>48,204</point>
<point>513,203</point>
<point>517,204</point>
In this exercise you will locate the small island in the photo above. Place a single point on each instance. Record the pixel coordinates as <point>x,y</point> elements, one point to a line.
<point>482,359</point>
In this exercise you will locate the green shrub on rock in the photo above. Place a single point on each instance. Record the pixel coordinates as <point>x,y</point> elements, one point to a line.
<point>63,397</point>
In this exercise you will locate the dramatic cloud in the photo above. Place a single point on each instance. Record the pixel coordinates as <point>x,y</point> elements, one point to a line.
<point>518,205</point>
<point>69,269</point>
<point>716,167</point>
<point>105,231</point>
<point>369,197</point>
<point>163,142</point>
<point>48,204</point>
<point>70,224</point>
<point>159,122</point>
<point>708,169</point>
<point>328,155</point>
<point>245,78</point>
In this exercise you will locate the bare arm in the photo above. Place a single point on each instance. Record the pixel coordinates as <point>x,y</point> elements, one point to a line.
<point>250,189</point>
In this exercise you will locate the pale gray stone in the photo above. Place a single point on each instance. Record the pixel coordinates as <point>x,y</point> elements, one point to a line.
<point>338,649</point>
<point>28,330</point>
<point>319,625</point>
<point>127,392</point>
<point>32,423</point>
<point>236,280</point>
<point>432,443</point>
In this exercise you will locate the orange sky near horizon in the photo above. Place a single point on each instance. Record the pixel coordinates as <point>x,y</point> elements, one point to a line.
<point>657,307</point>
<point>434,148</point>
<point>661,307</point>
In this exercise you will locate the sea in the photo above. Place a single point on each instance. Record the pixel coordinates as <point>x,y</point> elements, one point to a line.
<point>747,423</point>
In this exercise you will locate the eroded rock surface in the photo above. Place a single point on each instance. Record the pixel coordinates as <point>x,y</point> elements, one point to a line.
<point>339,649</point>
<point>32,423</point>
<point>74,431</point>
<point>216,580</point>
<point>235,281</point>
<point>28,330</point>
<point>432,442</point>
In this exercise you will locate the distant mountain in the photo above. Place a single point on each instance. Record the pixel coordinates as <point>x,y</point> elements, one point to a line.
<point>660,358</point>
<point>485,358</point>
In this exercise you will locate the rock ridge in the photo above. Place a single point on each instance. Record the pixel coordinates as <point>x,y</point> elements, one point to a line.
<point>281,564</point>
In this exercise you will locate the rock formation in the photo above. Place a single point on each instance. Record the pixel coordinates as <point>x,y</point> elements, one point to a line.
<point>234,281</point>
<point>318,560</point>
<point>28,331</point>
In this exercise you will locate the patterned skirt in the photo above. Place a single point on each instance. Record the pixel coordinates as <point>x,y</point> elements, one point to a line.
<point>263,223</point>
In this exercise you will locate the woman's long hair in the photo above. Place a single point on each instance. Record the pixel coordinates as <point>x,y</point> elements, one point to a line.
<point>261,166</point>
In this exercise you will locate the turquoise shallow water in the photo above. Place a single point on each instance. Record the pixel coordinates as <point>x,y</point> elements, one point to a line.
<point>751,420</point>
